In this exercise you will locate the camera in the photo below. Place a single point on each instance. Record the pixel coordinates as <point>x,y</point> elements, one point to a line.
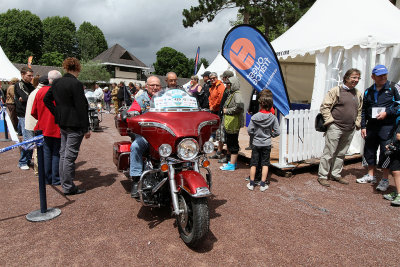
<point>390,150</point>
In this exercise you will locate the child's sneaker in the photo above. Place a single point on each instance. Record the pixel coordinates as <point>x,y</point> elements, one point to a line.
<point>263,188</point>
<point>250,187</point>
<point>383,185</point>
<point>396,201</point>
<point>390,196</point>
<point>223,165</point>
<point>366,179</point>
<point>228,167</point>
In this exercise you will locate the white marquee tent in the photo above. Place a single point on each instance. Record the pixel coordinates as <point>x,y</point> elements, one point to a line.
<point>7,69</point>
<point>332,37</point>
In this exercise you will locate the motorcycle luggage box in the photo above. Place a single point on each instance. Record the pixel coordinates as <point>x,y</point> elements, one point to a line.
<point>121,155</point>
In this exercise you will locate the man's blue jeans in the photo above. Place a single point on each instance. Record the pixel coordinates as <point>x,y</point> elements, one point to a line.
<point>26,155</point>
<point>138,147</point>
<point>51,154</point>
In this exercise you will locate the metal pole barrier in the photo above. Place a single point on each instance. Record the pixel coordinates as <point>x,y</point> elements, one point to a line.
<point>43,214</point>
<point>5,128</point>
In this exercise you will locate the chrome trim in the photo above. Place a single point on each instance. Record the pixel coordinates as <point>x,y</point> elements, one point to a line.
<point>160,184</point>
<point>173,109</point>
<point>202,192</point>
<point>157,125</point>
<point>209,182</point>
<point>174,191</point>
<point>140,185</point>
<point>205,123</point>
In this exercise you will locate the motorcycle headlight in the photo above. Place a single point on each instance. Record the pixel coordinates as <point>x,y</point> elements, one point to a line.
<point>165,150</point>
<point>208,147</point>
<point>99,105</point>
<point>188,149</point>
<point>92,105</point>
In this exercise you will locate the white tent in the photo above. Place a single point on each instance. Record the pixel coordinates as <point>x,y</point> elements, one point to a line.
<point>332,37</point>
<point>7,69</point>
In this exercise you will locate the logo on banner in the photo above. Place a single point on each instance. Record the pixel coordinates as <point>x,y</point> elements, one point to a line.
<point>243,53</point>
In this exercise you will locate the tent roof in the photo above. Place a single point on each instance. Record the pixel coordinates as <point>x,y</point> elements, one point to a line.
<point>7,69</point>
<point>330,23</point>
<point>219,65</point>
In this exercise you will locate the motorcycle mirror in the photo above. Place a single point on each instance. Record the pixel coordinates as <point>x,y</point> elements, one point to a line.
<point>124,115</point>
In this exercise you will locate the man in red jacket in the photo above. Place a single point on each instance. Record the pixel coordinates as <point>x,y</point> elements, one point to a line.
<point>51,132</point>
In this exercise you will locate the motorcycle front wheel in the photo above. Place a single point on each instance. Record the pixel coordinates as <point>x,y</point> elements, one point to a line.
<point>96,124</point>
<point>194,221</point>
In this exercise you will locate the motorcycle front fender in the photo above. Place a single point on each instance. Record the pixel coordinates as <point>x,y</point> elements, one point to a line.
<point>193,183</point>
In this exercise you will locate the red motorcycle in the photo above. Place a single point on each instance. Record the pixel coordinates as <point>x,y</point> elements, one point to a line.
<point>178,134</point>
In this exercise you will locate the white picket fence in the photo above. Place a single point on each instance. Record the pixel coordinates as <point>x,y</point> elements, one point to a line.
<point>302,141</point>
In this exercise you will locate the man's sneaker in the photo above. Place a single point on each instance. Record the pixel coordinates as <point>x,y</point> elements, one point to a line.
<point>383,185</point>
<point>250,187</point>
<point>24,167</point>
<point>216,155</point>
<point>228,167</point>
<point>263,188</point>
<point>396,201</point>
<point>324,182</point>
<point>366,179</point>
<point>390,196</point>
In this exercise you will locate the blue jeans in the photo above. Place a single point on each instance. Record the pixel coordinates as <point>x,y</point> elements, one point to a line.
<point>138,147</point>
<point>51,154</point>
<point>26,155</point>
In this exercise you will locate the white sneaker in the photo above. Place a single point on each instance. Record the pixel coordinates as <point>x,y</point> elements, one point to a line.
<point>24,167</point>
<point>366,179</point>
<point>263,188</point>
<point>383,185</point>
<point>250,187</point>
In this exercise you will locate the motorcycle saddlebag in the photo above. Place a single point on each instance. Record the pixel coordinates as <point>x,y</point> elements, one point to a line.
<point>121,153</point>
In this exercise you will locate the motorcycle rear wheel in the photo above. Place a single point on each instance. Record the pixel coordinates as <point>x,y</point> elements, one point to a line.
<point>194,222</point>
<point>96,124</point>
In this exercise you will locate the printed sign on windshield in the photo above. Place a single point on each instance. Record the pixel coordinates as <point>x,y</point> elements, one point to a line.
<point>175,98</point>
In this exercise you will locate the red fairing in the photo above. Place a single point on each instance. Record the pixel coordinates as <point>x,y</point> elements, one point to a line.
<point>164,125</point>
<point>191,181</point>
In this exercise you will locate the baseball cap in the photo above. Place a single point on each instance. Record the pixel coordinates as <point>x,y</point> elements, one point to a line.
<point>379,70</point>
<point>44,80</point>
<point>206,73</point>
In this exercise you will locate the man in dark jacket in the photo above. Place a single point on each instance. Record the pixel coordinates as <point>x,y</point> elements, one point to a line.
<point>378,118</point>
<point>71,114</point>
<point>22,90</point>
<point>202,96</point>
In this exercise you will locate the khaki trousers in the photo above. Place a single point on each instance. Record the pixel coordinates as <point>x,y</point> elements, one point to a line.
<point>337,143</point>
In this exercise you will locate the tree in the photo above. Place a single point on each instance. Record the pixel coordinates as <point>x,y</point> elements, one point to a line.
<point>59,36</point>
<point>94,71</point>
<point>91,41</point>
<point>274,16</point>
<point>201,61</point>
<point>21,35</point>
<point>52,59</point>
<point>168,59</point>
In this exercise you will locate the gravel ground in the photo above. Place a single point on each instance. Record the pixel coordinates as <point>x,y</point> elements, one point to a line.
<point>295,222</point>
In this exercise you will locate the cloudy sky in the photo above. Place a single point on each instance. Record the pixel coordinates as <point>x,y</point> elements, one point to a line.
<point>141,26</point>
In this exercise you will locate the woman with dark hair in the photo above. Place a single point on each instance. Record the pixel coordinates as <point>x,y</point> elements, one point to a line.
<point>71,114</point>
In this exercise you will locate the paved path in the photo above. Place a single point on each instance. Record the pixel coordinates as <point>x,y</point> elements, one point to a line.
<point>295,222</point>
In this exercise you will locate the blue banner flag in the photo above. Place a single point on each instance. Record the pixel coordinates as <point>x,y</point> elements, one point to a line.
<point>196,60</point>
<point>251,54</point>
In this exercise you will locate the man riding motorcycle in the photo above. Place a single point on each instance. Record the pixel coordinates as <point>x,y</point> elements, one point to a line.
<point>140,145</point>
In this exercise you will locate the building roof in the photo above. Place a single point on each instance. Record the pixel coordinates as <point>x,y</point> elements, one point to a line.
<point>38,69</point>
<point>119,56</point>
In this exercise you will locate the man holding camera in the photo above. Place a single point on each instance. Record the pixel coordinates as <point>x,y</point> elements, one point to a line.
<point>378,118</point>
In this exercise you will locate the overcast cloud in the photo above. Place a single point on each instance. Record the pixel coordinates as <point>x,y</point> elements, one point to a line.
<point>140,26</point>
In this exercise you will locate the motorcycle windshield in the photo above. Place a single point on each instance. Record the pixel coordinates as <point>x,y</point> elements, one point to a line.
<point>173,100</point>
